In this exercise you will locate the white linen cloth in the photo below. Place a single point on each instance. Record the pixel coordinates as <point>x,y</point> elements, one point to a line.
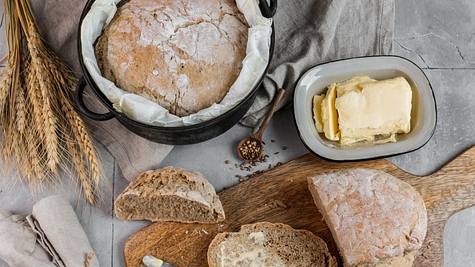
<point>50,236</point>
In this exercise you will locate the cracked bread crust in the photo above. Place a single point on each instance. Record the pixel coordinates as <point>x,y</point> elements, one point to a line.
<point>170,194</point>
<point>182,54</point>
<point>375,218</point>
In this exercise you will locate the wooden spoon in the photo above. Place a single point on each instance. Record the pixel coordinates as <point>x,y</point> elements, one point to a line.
<point>252,147</point>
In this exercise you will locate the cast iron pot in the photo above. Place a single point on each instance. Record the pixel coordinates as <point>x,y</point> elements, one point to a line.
<point>170,135</point>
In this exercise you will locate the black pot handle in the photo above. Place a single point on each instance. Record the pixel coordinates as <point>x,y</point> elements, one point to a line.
<point>79,99</point>
<point>267,10</point>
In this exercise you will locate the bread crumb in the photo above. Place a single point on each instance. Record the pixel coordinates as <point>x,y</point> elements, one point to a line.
<point>204,231</point>
<point>88,258</point>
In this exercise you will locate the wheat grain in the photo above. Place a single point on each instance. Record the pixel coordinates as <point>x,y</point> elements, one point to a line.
<point>20,110</point>
<point>36,102</point>
<point>5,86</point>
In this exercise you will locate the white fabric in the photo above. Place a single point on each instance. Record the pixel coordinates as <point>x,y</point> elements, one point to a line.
<point>56,227</point>
<point>146,111</point>
<point>18,246</point>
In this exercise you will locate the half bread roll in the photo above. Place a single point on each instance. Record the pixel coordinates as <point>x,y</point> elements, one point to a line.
<point>375,218</point>
<point>170,194</point>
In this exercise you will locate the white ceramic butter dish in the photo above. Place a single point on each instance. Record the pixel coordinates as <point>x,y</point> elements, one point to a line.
<point>316,80</point>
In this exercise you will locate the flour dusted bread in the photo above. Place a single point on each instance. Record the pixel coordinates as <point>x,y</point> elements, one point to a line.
<point>170,194</point>
<point>182,54</point>
<point>269,245</point>
<point>375,218</point>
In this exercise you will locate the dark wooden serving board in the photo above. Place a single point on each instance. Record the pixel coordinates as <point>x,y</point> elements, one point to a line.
<point>281,195</point>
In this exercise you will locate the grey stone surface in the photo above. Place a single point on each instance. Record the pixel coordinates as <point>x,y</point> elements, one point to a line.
<point>455,94</point>
<point>282,145</point>
<point>438,35</point>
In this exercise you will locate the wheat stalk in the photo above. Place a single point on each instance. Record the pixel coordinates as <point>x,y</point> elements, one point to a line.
<point>46,88</point>
<point>78,161</point>
<point>84,141</point>
<point>42,131</point>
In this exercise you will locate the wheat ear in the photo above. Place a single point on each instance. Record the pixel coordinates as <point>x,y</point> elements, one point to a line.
<point>5,84</point>
<point>84,141</point>
<point>80,167</point>
<point>48,116</point>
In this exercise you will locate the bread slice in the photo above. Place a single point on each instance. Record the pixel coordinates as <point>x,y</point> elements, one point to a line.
<point>269,245</point>
<point>375,218</point>
<point>170,194</point>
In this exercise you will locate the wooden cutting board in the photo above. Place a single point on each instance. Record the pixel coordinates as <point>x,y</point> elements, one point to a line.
<point>281,195</point>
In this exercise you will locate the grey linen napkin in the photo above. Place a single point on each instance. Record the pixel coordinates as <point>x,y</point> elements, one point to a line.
<point>50,236</point>
<point>311,32</point>
<point>308,32</point>
<point>18,246</point>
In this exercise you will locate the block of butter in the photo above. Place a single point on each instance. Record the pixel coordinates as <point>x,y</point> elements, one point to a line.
<point>364,109</point>
<point>329,115</point>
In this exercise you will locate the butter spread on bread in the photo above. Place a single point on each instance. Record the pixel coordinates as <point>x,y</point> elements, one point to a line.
<point>269,245</point>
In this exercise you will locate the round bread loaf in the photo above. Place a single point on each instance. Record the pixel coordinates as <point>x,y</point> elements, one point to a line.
<point>182,54</point>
